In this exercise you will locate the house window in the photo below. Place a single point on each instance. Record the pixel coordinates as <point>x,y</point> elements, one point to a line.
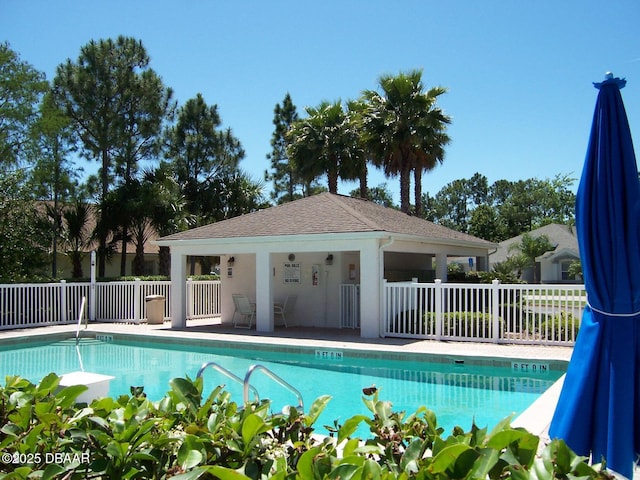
<point>564,270</point>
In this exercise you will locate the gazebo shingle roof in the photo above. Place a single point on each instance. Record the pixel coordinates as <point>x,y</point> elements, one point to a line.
<point>321,214</point>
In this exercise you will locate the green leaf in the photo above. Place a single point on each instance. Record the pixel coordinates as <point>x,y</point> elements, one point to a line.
<point>186,392</point>
<point>503,439</point>
<point>317,407</point>
<point>117,450</point>
<point>410,457</point>
<point>189,458</point>
<point>48,384</point>
<point>20,399</point>
<point>383,410</point>
<point>67,396</point>
<point>19,473</point>
<point>52,471</point>
<point>345,471</point>
<point>191,452</point>
<point>224,473</point>
<point>192,474</point>
<point>518,472</point>
<point>350,426</point>
<point>251,426</point>
<point>350,447</point>
<point>305,464</point>
<point>371,470</point>
<point>483,465</point>
<point>33,436</point>
<point>446,459</point>
<point>100,421</point>
<point>561,455</point>
<point>212,422</point>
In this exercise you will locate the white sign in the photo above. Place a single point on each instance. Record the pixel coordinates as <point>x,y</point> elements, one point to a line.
<point>291,273</point>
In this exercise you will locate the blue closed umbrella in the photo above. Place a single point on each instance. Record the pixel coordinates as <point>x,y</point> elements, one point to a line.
<point>598,412</point>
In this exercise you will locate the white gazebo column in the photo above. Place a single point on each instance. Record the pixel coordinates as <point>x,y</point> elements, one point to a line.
<point>178,289</point>
<point>441,266</point>
<point>264,292</point>
<point>370,285</point>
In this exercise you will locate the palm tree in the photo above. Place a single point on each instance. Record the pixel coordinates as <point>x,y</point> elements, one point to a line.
<point>324,143</point>
<point>77,234</point>
<point>404,131</point>
<point>530,248</point>
<point>166,208</point>
<point>357,167</point>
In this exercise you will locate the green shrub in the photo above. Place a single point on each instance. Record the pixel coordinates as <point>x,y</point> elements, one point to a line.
<point>186,436</point>
<point>462,324</point>
<point>561,327</point>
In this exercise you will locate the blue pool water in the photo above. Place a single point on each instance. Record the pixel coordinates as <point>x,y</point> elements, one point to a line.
<point>457,392</point>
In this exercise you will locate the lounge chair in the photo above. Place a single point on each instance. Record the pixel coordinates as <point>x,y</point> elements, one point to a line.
<point>282,309</point>
<point>245,311</point>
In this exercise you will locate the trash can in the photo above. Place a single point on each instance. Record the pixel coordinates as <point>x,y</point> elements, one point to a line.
<point>155,309</point>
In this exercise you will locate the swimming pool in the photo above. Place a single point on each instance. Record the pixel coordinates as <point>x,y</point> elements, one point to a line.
<point>459,391</point>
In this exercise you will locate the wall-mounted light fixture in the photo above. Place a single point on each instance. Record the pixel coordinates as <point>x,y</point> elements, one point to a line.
<point>231,260</point>
<point>292,257</point>
<point>329,259</point>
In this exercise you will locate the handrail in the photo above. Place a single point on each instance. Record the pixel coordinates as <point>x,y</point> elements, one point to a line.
<point>273,377</point>
<point>84,299</point>
<point>228,374</point>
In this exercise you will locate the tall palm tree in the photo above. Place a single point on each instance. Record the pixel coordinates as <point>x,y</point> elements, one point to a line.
<point>403,129</point>
<point>357,167</point>
<point>77,234</point>
<point>323,143</point>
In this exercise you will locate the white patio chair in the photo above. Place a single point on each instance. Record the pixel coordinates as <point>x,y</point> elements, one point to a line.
<point>283,309</point>
<point>245,311</point>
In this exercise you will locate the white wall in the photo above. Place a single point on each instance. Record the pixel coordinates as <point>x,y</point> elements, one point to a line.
<point>316,305</point>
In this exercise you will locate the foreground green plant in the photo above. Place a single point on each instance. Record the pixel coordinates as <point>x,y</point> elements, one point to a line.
<point>186,435</point>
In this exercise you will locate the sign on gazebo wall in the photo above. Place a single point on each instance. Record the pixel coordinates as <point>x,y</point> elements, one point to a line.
<point>291,272</point>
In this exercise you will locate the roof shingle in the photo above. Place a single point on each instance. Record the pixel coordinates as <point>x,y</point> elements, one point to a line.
<point>321,214</point>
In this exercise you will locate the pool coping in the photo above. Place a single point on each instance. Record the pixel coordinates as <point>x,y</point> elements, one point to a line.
<point>535,419</point>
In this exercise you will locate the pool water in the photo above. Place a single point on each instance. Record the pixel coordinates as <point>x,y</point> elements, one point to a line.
<point>459,393</point>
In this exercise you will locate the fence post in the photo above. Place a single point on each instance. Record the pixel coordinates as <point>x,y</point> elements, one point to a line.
<point>137,305</point>
<point>190,298</point>
<point>63,301</point>
<point>383,309</point>
<point>438,310</point>
<point>495,310</point>
<point>92,289</point>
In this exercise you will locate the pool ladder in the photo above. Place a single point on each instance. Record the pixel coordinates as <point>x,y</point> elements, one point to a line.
<point>246,385</point>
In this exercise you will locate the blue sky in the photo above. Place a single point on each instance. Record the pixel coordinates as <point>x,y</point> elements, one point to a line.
<point>519,73</point>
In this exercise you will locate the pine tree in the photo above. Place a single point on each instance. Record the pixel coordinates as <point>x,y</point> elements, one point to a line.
<point>287,183</point>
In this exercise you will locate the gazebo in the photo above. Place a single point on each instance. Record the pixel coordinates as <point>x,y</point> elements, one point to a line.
<point>331,251</point>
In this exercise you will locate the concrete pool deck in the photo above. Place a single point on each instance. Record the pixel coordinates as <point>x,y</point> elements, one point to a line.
<point>535,419</point>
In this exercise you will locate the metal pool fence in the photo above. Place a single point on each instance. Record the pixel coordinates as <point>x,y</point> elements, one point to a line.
<point>33,305</point>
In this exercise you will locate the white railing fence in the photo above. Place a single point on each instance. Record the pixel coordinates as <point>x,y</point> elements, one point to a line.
<point>32,305</point>
<point>499,313</point>
<point>349,306</point>
<point>203,297</point>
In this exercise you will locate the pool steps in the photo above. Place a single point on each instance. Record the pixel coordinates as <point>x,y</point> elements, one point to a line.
<point>246,385</point>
